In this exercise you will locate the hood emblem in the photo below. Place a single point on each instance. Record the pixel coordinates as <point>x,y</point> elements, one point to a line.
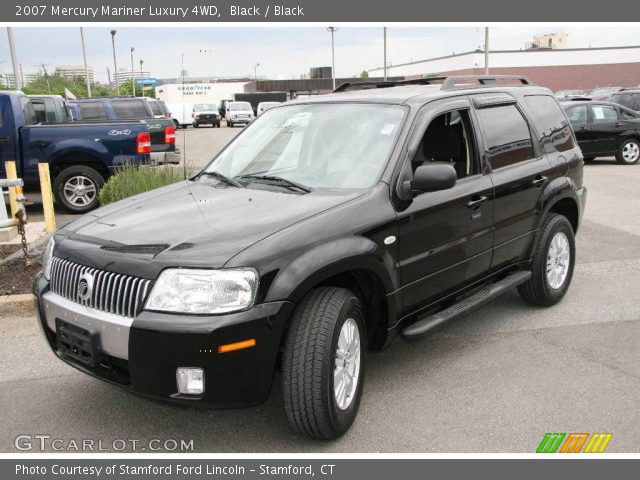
<point>85,287</point>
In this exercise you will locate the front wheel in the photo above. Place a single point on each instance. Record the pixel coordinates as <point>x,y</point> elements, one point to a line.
<point>629,152</point>
<point>323,363</point>
<point>553,262</point>
<point>76,188</point>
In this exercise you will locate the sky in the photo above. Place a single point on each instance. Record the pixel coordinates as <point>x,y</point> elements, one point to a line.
<point>282,52</point>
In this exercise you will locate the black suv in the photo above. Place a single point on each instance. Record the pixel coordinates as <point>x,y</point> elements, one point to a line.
<point>327,228</point>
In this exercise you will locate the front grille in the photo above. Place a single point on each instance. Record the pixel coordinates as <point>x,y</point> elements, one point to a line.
<point>112,292</point>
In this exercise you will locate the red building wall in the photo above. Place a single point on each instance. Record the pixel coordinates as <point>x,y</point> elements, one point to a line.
<point>569,76</point>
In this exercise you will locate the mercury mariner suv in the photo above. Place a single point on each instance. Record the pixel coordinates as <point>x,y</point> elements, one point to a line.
<point>328,228</point>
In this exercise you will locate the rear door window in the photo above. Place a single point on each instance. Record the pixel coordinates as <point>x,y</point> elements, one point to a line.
<point>506,134</point>
<point>578,115</point>
<point>551,123</point>
<point>603,113</point>
<point>135,109</point>
<point>92,111</point>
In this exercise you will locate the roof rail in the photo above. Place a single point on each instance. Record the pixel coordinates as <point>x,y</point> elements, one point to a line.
<point>448,83</point>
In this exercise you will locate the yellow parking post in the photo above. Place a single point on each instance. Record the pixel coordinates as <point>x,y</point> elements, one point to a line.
<point>47,198</point>
<point>12,174</point>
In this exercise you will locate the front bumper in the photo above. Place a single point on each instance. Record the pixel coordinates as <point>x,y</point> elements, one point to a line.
<point>142,354</point>
<point>162,158</point>
<point>582,200</point>
<point>242,120</point>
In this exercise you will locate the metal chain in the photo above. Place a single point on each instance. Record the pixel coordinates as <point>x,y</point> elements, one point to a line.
<point>25,250</point>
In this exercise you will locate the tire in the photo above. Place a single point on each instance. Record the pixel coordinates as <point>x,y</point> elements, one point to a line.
<point>545,289</point>
<point>230,124</point>
<point>177,124</point>
<point>196,125</point>
<point>629,152</point>
<point>309,363</point>
<point>589,159</point>
<point>81,176</point>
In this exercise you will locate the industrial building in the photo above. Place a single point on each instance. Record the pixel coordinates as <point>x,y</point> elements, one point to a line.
<point>74,71</point>
<point>556,67</point>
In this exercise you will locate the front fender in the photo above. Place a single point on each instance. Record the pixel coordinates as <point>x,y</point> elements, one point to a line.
<point>332,258</point>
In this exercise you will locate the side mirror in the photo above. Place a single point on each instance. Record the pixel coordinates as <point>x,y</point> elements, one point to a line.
<point>432,177</point>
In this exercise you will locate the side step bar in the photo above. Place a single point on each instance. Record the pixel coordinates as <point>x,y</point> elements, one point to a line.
<point>430,323</point>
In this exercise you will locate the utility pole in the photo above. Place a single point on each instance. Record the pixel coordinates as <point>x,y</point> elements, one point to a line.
<point>333,55</point>
<point>86,68</point>
<point>46,77</point>
<point>486,50</point>
<point>14,59</point>
<point>142,85</point>
<point>255,71</point>
<point>385,53</point>
<point>133,76</point>
<point>115,64</point>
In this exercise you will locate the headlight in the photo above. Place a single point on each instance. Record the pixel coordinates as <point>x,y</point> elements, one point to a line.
<point>203,291</point>
<point>46,260</point>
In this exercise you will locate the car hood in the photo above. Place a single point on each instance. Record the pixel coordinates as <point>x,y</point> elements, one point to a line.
<point>188,224</point>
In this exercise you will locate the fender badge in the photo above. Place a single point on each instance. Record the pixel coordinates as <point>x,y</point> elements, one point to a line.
<point>389,240</point>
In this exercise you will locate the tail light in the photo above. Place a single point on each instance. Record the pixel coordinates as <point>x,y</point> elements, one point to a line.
<point>143,143</point>
<point>170,135</point>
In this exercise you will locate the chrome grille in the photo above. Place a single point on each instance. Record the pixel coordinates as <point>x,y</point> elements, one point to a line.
<point>112,292</point>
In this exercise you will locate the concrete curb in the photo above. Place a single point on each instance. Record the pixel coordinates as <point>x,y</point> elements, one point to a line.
<point>23,302</point>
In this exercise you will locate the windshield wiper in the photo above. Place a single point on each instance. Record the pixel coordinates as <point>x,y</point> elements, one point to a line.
<point>278,181</point>
<point>223,178</point>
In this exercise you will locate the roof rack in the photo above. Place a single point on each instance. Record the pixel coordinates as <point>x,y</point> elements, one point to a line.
<point>448,83</point>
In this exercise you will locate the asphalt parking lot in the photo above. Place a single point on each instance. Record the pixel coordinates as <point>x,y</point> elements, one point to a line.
<point>495,381</point>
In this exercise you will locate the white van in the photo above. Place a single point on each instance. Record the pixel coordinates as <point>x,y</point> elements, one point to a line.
<point>181,113</point>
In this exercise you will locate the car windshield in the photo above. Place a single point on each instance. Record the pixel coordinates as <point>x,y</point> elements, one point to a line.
<point>315,145</point>
<point>239,106</point>
<point>205,106</point>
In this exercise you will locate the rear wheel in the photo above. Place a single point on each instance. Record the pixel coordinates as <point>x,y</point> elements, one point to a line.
<point>177,124</point>
<point>589,159</point>
<point>76,188</point>
<point>553,262</point>
<point>196,125</point>
<point>629,152</point>
<point>323,363</point>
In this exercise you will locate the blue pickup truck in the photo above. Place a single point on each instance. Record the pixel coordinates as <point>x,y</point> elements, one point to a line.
<point>81,155</point>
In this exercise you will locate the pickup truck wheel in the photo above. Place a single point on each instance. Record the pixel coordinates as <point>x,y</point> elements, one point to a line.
<point>629,152</point>
<point>76,188</point>
<point>553,262</point>
<point>323,363</point>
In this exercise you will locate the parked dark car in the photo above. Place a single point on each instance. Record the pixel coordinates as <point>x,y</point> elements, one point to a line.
<point>162,130</point>
<point>628,97</point>
<point>605,129</point>
<point>327,228</point>
<point>81,155</point>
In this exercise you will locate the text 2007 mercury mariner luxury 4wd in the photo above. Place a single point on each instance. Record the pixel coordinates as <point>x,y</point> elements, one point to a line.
<point>326,229</point>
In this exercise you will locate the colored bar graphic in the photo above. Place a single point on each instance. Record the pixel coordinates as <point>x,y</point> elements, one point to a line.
<point>550,442</point>
<point>598,442</point>
<point>574,443</point>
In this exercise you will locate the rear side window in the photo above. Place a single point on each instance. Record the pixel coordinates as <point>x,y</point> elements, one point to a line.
<point>578,115</point>
<point>551,123</point>
<point>507,136</point>
<point>626,100</point>
<point>131,109</point>
<point>156,108</point>
<point>603,113</point>
<point>27,110</point>
<point>92,111</point>
<point>39,109</point>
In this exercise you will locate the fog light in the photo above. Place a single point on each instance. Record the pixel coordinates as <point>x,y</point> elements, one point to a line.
<point>190,380</point>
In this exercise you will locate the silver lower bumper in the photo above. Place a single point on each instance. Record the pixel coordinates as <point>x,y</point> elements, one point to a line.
<point>112,330</point>
<point>161,158</point>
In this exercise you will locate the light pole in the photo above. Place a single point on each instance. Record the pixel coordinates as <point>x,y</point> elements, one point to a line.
<point>14,59</point>
<point>486,50</point>
<point>115,64</point>
<point>133,73</point>
<point>255,71</point>
<point>384,32</point>
<point>141,85</point>
<point>333,55</point>
<point>86,68</point>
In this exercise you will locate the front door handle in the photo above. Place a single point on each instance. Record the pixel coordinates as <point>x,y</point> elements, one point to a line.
<point>475,202</point>
<point>539,180</point>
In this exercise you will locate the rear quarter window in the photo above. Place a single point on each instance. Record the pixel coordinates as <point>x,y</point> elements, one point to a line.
<point>551,124</point>
<point>92,111</point>
<point>135,109</point>
<point>156,108</point>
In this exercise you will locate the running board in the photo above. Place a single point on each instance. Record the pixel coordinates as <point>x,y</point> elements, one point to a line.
<point>430,323</point>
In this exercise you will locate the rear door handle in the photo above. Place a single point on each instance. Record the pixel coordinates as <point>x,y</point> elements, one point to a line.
<point>476,202</point>
<point>539,180</point>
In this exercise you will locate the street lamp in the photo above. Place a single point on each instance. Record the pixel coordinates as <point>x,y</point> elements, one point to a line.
<point>255,71</point>
<point>133,74</point>
<point>115,64</point>
<point>141,76</point>
<point>333,55</point>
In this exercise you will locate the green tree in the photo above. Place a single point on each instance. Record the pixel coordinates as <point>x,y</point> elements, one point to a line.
<point>126,88</point>
<point>364,74</point>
